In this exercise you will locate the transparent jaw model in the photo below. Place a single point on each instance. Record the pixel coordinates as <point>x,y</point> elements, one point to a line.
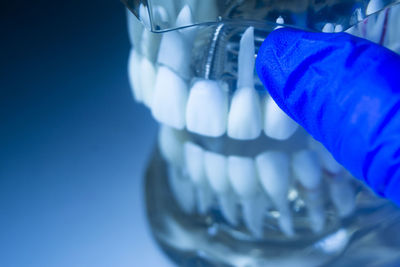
<point>234,181</point>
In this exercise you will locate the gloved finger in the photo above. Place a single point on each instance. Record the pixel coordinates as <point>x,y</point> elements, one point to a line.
<point>345,91</point>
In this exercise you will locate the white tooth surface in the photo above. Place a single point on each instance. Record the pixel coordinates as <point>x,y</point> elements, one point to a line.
<point>135,74</point>
<point>244,119</point>
<point>135,29</point>
<point>338,28</point>
<point>147,80</point>
<point>328,27</point>
<point>182,190</point>
<point>171,145</point>
<point>207,108</point>
<point>216,168</point>
<point>343,195</point>
<point>392,40</point>
<point>175,53</point>
<point>185,18</point>
<point>273,170</point>
<point>280,20</point>
<point>325,157</point>
<point>228,205</point>
<point>307,169</point>
<point>246,59</point>
<point>204,197</point>
<point>194,159</point>
<point>254,208</point>
<point>161,15</point>
<point>242,175</point>
<point>315,210</point>
<point>150,44</point>
<point>375,26</point>
<point>285,221</point>
<point>277,124</point>
<point>374,6</point>
<point>170,97</point>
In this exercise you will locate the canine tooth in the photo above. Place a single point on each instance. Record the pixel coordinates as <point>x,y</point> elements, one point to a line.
<point>244,119</point>
<point>171,145</point>
<point>343,195</point>
<point>246,59</point>
<point>315,210</point>
<point>175,53</point>
<point>307,169</point>
<point>242,175</point>
<point>228,205</point>
<point>254,209</point>
<point>328,27</point>
<point>182,190</point>
<point>217,171</point>
<point>207,108</point>
<point>194,159</point>
<point>277,124</point>
<point>273,170</point>
<point>204,197</point>
<point>170,97</point>
<point>135,74</point>
<point>326,158</point>
<point>147,80</point>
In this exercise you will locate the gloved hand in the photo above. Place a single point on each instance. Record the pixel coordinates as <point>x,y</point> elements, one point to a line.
<point>345,91</point>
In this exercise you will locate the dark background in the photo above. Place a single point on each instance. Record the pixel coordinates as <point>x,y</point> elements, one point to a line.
<point>73,143</point>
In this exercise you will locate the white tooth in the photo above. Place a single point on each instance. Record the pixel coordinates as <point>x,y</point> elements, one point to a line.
<point>328,27</point>
<point>217,171</point>
<point>194,159</point>
<point>374,6</point>
<point>149,44</point>
<point>315,210</point>
<point>277,124</point>
<point>343,195</point>
<point>161,16</point>
<point>144,15</point>
<point>325,157</point>
<point>392,40</point>
<point>285,221</point>
<point>273,170</point>
<point>307,169</point>
<point>243,176</point>
<point>254,208</point>
<point>228,204</point>
<point>338,28</point>
<point>135,29</point>
<point>170,97</point>
<point>374,27</point>
<point>204,197</point>
<point>135,74</point>
<point>246,59</point>
<point>147,80</point>
<point>244,119</point>
<point>207,108</point>
<point>185,18</point>
<point>171,145</point>
<point>175,53</point>
<point>280,20</point>
<point>182,190</point>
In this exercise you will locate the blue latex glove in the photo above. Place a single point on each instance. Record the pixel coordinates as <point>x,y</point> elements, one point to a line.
<point>345,91</point>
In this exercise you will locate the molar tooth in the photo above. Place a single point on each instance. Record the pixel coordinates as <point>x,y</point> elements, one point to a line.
<point>171,145</point>
<point>135,74</point>
<point>228,205</point>
<point>328,27</point>
<point>244,119</point>
<point>217,171</point>
<point>242,175</point>
<point>277,124</point>
<point>307,169</point>
<point>207,108</point>
<point>170,97</point>
<point>182,190</point>
<point>343,195</point>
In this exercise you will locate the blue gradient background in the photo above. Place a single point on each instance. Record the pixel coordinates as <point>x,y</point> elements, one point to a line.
<point>73,144</point>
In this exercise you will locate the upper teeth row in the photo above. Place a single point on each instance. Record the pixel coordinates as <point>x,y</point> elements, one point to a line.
<point>203,108</point>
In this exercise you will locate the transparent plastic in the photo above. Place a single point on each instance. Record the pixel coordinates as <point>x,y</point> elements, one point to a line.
<point>200,219</point>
